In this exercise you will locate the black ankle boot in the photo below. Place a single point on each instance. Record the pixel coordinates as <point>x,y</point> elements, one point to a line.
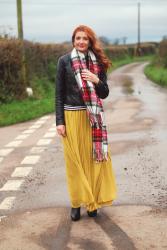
<point>92,213</point>
<point>75,213</point>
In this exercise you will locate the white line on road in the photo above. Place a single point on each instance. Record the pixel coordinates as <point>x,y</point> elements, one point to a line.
<point>50,134</point>
<point>35,126</point>
<point>36,150</point>
<point>40,122</point>
<point>29,131</point>
<point>45,117</point>
<point>44,142</point>
<point>21,171</point>
<point>30,159</point>
<point>52,129</point>
<point>11,185</point>
<point>14,143</point>
<point>22,137</point>
<point>7,203</point>
<point>14,185</point>
<point>2,217</point>
<point>4,152</point>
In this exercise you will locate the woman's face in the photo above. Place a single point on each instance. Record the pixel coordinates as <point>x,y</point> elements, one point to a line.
<point>81,41</point>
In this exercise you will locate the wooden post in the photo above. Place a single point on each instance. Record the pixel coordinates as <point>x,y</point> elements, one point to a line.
<point>138,32</point>
<point>21,37</point>
<point>19,19</point>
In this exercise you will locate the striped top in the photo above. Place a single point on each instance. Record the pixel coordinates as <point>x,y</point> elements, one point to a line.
<point>70,107</point>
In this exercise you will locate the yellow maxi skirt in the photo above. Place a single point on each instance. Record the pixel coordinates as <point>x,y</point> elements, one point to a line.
<point>90,184</point>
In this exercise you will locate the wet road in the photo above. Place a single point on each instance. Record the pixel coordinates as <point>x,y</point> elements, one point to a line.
<point>34,202</point>
<point>140,131</point>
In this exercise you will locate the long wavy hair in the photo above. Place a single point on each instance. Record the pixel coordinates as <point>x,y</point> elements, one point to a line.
<point>95,45</point>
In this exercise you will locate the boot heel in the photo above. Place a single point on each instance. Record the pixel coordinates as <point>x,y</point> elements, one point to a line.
<point>75,213</point>
<point>92,213</point>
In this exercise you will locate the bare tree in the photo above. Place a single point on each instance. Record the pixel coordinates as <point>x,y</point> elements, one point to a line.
<point>124,40</point>
<point>164,37</point>
<point>104,40</point>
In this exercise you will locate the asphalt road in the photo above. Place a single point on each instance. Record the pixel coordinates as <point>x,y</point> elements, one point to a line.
<point>34,201</point>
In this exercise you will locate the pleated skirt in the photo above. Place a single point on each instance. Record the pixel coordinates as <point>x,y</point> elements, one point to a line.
<point>90,184</point>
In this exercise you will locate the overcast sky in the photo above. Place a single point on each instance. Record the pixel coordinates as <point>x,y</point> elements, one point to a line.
<point>55,20</point>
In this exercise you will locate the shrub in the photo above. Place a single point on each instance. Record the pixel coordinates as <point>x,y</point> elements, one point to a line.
<point>40,61</point>
<point>163,52</point>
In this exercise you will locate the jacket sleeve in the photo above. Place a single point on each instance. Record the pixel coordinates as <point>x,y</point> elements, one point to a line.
<point>59,92</point>
<point>101,88</point>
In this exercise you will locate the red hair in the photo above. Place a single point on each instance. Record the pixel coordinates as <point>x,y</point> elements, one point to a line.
<point>94,45</point>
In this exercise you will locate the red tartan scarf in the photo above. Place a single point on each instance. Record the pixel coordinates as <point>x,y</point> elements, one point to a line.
<point>93,103</point>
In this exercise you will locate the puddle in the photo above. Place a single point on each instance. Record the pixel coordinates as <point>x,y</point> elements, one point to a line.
<point>127,85</point>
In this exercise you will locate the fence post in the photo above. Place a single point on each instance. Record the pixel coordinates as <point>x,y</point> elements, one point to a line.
<point>21,38</point>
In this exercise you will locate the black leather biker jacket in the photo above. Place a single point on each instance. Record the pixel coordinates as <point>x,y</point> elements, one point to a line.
<point>67,90</point>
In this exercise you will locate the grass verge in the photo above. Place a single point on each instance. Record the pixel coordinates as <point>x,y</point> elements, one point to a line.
<point>42,103</point>
<point>20,111</point>
<point>127,60</point>
<point>157,74</point>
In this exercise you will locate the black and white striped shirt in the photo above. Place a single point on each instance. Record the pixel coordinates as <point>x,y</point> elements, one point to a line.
<point>70,107</point>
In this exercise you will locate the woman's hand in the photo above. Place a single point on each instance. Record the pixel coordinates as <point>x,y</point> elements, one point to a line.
<point>61,130</point>
<point>89,76</point>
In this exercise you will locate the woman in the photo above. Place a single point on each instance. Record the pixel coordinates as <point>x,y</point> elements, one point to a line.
<point>81,83</point>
